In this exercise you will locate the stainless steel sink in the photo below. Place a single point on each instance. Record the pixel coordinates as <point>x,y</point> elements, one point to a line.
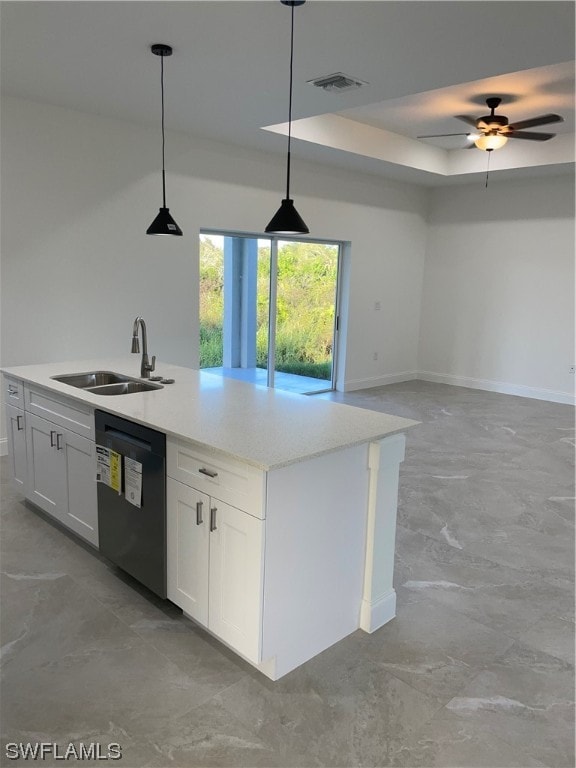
<point>91,379</point>
<point>123,388</point>
<point>106,383</point>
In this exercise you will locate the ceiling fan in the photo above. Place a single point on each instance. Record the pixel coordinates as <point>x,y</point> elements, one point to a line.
<point>493,131</point>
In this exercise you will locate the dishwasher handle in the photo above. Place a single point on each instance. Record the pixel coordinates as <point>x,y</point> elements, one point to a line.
<point>128,434</point>
<point>115,434</point>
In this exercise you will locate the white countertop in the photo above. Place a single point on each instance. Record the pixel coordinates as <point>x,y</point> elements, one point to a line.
<point>267,428</point>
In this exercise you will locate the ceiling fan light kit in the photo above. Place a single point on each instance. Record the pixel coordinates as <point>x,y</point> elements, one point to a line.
<point>490,141</point>
<point>287,220</point>
<point>493,131</point>
<point>163,224</point>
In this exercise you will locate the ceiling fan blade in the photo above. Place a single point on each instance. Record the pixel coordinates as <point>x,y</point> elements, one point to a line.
<point>530,135</point>
<point>534,121</point>
<point>467,119</point>
<point>440,135</point>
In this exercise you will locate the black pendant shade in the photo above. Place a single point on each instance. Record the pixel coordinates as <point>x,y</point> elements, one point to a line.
<point>163,224</point>
<point>287,220</point>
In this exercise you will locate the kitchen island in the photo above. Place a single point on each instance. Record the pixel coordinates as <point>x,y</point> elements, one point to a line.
<point>304,492</point>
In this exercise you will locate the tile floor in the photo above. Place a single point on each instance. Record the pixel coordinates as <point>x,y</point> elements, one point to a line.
<point>477,669</point>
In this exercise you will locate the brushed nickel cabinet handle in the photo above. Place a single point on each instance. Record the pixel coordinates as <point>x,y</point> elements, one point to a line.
<point>199,505</point>
<point>208,472</point>
<point>213,511</point>
<point>58,443</point>
<point>52,433</point>
<point>18,425</point>
<point>12,390</point>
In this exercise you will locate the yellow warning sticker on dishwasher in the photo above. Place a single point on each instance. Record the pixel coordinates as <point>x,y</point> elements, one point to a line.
<point>115,471</point>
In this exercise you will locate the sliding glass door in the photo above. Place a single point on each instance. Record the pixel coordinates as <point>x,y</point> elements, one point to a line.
<point>268,310</point>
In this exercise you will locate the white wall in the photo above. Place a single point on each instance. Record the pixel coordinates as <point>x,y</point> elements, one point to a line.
<point>498,297</point>
<point>79,191</point>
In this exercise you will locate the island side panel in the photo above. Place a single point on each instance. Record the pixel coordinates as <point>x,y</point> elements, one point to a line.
<point>315,556</point>
<point>379,599</point>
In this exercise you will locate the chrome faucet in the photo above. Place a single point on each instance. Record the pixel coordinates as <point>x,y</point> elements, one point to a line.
<point>145,366</point>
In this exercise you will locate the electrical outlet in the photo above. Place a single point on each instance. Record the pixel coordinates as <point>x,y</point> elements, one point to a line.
<point>572,369</point>
<point>375,356</point>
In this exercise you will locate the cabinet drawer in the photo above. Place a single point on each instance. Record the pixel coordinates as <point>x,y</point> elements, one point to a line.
<point>226,479</point>
<point>13,392</point>
<point>70,414</point>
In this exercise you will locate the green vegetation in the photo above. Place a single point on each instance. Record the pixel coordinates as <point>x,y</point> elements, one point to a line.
<point>305,307</point>
<point>211,304</point>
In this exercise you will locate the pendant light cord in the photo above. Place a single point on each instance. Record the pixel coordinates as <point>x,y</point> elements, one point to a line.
<point>488,168</point>
<point>290,106</point>
<point>162,92</point>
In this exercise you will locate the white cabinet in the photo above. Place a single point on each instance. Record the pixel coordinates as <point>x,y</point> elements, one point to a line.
<point>235,578</point>
<point>188,543</point>
<point>16,429</point>
<point>13,392</point>
<point>46,475</point>
<point>62,475</point>
<point>53,454</point>
<point>80,510</point>
<point>215,566</point>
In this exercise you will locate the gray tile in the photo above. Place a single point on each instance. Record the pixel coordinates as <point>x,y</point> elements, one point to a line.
<point>474,671</point>
<point>553,634</point>
<point>338,709</point>
<point>524,698</point>
<point>506,599</point>
<point>72,667</point>
<point>31,543</point>
<point>9,495</point>
<point>195,652</point>
<point>453,743</point>
<point>430,647</point>
<point>209,736</point>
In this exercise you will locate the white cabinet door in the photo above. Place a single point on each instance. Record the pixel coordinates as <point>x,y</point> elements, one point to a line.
<point>80,513</point>
<point>235,581</point>
<point>16,429</point>
<point>46,475</point>
<point>187,536</point>
<point>62,475</point>
<point>215,557</point>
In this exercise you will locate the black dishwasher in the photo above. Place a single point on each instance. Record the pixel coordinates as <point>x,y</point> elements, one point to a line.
<point>132,524</point>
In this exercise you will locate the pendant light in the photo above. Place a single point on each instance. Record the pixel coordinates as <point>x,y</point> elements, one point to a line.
<point>287,220</point>
<point>163,224</point>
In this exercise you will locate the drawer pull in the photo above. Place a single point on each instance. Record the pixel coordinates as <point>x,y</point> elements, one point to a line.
<point>12,390</point>
<point>19,426</point>
<point>58,439</point>
<point>208,472</point>
<point>199,519</point>
<point>52,433</point>
<point>213,511</point>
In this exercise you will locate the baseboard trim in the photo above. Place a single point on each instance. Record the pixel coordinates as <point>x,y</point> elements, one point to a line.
<point>379,381</point>
<point>4,446</point>
<point>374,615</point>
<point>520,390</point>
<point>488,385</point>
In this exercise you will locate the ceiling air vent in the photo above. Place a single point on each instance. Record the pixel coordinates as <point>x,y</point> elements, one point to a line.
<point>337,82</point>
